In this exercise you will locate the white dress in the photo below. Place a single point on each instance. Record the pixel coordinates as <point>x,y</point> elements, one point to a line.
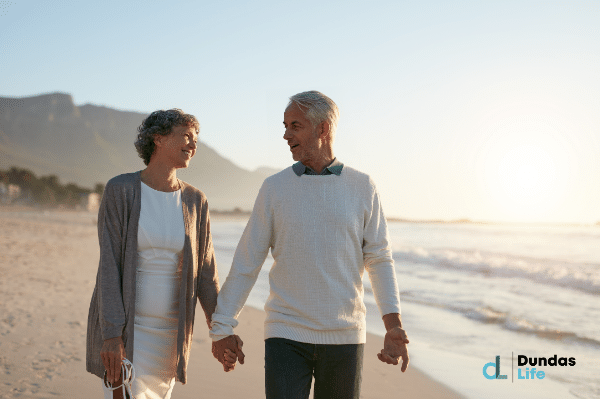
<point>161,236</point>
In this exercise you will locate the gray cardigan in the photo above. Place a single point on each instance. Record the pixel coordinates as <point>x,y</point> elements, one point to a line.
<point>112,309</point>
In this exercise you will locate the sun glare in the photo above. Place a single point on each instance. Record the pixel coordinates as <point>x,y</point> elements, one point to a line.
<point>525,180</point>
<point>526,176</point>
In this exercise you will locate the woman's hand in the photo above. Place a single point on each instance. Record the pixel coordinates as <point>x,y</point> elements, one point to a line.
<point>113,351</point>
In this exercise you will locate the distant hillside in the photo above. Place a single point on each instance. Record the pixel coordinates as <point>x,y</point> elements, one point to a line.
<point>49,134</point>
<point>266,171</point>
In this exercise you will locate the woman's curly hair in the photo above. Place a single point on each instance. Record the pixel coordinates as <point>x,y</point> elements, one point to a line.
<point>161,122</point>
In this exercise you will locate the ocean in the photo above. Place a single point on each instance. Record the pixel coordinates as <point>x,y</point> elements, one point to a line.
<point>473,292</point>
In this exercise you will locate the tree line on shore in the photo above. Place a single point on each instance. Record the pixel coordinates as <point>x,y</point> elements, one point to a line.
<point>46,190</point>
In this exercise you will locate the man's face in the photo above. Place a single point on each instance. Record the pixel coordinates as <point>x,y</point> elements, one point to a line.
<point>300,135</point>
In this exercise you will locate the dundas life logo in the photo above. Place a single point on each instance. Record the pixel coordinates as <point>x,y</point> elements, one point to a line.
<point>524,361</point>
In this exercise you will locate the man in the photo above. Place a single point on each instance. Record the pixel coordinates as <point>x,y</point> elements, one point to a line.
<point>324,225</point>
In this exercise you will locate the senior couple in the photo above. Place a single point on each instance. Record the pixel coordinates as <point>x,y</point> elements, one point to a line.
<point>324,225</point>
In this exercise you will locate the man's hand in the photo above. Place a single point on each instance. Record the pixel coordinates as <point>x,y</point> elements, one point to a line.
<point>227,350</point>
<point>112,352</point>
<point>394,347</point>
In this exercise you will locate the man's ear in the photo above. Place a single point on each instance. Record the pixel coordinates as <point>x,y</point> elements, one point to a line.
<point>324,130</point>
<point>158,139</point>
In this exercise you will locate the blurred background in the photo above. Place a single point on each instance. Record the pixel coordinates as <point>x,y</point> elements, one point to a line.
<point>485,111</point>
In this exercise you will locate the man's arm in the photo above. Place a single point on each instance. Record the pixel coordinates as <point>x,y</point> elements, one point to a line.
<point>249,257</point>
<point>379,264</point>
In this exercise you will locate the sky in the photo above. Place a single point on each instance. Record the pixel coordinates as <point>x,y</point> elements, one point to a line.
<point>457,109</point>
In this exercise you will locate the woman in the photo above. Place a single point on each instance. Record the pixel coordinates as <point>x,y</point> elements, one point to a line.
<point>156,259</point>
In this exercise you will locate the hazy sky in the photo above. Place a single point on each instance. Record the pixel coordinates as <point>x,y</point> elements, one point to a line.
<point>457,109</point>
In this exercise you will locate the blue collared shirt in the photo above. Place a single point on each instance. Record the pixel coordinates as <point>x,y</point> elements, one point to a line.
<point>335,168</point>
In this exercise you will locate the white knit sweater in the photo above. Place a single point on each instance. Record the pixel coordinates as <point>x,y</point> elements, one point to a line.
<point>323,232</point>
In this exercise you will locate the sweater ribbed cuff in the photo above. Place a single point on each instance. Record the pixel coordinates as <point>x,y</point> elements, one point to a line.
<point>221,326</point>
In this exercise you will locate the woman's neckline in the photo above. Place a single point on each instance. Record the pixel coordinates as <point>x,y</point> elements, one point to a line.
<point>160,191</point>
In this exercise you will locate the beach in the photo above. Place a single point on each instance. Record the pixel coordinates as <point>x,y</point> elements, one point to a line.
<point>48,264</point>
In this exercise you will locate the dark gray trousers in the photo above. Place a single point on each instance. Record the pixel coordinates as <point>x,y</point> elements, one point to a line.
<point>290,367</point>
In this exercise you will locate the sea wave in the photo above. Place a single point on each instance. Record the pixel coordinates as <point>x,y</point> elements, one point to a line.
<point>520,324</point>
<point>505,320</point>
<point>580,276</point>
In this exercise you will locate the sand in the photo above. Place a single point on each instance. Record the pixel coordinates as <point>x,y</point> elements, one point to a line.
<point>48,264</point>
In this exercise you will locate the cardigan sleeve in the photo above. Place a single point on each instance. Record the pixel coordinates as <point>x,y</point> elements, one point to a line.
<point>110,270</point>
<point>248,260</point>
<point>208,282</point>
<point>377,256</point>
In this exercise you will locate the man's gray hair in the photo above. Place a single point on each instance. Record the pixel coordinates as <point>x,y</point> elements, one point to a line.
<point>317,108</point>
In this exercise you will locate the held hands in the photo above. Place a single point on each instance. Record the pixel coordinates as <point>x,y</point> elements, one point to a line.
<point>112,352</point>
<point>394,348</point>
<point>227,351</point>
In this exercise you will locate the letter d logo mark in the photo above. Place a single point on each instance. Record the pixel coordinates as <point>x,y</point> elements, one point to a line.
<point>497,367</point>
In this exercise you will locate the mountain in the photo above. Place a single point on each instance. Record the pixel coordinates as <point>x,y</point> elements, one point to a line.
<point>87,144</point>
<point>266,171</point>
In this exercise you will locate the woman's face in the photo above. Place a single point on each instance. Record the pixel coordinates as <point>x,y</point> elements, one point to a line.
<point>178,147</point>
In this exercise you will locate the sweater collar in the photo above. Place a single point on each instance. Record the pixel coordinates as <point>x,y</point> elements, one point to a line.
<point>334,168</point>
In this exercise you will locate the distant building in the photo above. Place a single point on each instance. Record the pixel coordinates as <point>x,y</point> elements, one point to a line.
<point>90,202</point>
<point>9,192</point>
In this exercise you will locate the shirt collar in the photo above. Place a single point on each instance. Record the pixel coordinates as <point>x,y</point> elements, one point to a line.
<point>334,168</point>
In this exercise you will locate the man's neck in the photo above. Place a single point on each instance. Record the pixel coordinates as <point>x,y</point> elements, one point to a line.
<point>320,164</point>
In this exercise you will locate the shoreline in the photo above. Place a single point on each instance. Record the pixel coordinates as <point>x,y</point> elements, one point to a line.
<point>240,215</point>
<point>49,262</point>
